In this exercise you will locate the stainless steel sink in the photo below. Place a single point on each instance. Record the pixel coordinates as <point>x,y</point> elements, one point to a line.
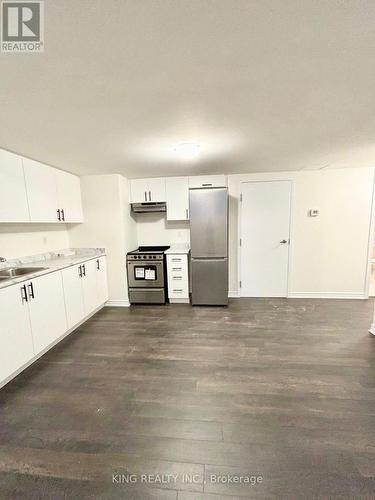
<point>16,272</point>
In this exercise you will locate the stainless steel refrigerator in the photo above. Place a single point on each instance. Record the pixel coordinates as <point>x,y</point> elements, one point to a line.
<point>209,245</point>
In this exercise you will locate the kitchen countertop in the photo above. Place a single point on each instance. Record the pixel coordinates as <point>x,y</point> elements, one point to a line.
<point>178,248</point>
<point>52,261</point>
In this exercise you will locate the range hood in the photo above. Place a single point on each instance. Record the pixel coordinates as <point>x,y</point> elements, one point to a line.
<point>149,207</point>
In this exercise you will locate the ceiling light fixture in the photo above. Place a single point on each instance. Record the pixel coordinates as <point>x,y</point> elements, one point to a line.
<point>187,150</point>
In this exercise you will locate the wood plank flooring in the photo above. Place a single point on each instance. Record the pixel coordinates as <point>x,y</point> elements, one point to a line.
<point>184,400</point>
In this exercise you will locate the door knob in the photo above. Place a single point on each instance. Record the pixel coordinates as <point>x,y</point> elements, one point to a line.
<point>284,241</point>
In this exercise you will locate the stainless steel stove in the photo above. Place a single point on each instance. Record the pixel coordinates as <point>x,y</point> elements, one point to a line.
<point>147,275</point>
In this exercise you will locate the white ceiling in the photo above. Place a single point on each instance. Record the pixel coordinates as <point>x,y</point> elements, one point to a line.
<point>262,85</point>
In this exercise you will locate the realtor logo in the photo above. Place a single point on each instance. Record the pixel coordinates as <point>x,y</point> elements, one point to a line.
<point>22,26</point>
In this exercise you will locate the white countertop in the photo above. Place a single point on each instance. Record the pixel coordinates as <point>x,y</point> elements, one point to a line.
<point>51,261</point>
<point>178,248</point>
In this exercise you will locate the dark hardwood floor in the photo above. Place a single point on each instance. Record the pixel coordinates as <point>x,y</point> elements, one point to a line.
<point>282,389</point>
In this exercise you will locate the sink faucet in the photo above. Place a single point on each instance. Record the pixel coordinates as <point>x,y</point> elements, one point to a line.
<point>2,259</point>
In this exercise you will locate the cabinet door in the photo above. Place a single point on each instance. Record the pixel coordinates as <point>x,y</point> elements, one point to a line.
<point>139,191</point>
<point>73,294</point>
<point>89,286</point>
<point>207,181</point>
<point>156,187</point>
<point>69,196</point>
<point>13,198</point>
<point>177,191</point>
<point>101,280</point>
<point>41,191</point>
<point>47,310</point>
<point>16,345</point>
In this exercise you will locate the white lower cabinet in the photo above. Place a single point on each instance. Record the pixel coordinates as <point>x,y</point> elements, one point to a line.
<point>102,281</point>
<point>47,310</point>
<point>89,286</point>
<point>72,282</point>
<point>34,314</point>
<point>16,344</point>
<point>178,278</point>
<point>85,289</point>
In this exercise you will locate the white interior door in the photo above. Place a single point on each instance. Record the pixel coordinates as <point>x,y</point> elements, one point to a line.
<point>265,232</point>
<point>89,286</point>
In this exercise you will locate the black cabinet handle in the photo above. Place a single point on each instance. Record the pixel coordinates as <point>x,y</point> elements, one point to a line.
<point>24,294</point>
<point>145,196</point>
<point>80,271</point>
<point>83,269</point>
<point>31,291</point>
<point>206,185</point>
<point>149,196</point>
<point>62,214</point>
<point>97,264</point>
<point>58,215</point>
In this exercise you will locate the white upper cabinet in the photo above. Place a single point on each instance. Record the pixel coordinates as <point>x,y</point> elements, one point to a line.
<point>41,191</point>
<point>69,196</point>
<point>177,190</point>
<point>13,198</point>
<point>146,190</point>
<point>207,181</point>
<point>33,192</point>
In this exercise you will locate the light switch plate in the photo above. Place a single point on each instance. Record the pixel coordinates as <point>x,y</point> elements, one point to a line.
<point>313,212</point>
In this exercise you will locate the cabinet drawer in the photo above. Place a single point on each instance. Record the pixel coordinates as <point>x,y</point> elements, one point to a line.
<point>178,289</point>
<point>177,263</point>
<point>177,277</point>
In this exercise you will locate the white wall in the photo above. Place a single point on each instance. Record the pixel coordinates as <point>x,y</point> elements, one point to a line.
<point>107,224</point>
<point>154,229</point>
<point>19,240</point>
<point>328,253</point>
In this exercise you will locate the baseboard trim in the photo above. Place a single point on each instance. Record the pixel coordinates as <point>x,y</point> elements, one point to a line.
<point>117,303</point>
<point>372,329</point>
<point>322,295</point>
<point>233,295</point>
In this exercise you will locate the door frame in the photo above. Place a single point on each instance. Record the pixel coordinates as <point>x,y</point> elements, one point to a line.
<point>292,190</point>
<point>371,242</point>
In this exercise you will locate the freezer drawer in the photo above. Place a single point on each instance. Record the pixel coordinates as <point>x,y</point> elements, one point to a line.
<point>209,282</point>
